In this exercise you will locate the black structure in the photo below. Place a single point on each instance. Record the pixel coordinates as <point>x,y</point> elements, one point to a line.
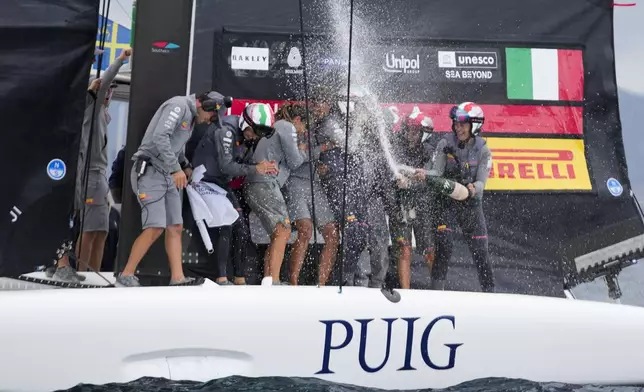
<point>42,103</point>
<point>159,71</point>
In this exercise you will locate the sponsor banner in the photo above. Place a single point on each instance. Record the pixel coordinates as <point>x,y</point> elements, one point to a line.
<point>272,65</point>
<point>249,58</point>
<point>538,165</point>
<point>277,56</point>
<point>505,119</point>
<point>434,64</point>
<point>474,65</point>
<point>545,74</point>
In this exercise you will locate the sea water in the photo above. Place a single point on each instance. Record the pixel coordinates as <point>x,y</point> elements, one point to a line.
<point>269,384</point>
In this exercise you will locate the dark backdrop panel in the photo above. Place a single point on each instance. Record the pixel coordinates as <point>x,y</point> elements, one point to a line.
<point>46,50</point>
<point>532,233</point>
<point>158,74</point>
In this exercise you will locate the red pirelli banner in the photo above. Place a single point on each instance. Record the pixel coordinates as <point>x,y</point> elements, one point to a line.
<point>504,119</point>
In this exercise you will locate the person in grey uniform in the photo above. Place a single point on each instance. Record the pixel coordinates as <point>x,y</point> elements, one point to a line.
<point>263,191</point>
<point>216,151</point>
<point>330,134</point>
<point>413,211</point>
<point>92,208</point>
<point>300,204</point>
<point>62,268</point>
<point>462,156</point>
<point>159,173</point>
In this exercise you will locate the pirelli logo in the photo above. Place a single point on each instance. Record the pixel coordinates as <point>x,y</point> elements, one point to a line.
<point>538,164</point>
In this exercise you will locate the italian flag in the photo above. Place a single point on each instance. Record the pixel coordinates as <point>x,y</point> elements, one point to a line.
<point>545,74</point>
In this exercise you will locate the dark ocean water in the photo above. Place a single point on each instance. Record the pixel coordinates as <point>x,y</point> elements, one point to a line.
<point>267,384</point>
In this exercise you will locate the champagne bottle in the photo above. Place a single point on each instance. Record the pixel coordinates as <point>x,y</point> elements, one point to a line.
<point>448,187</point>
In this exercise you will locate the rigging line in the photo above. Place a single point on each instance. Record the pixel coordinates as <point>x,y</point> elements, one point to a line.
<point>346,153</point>
<point>308,131</point>
<point>638,207</point>
<point>124,10</point>
<point>103,31</point>
<point>88,151</point>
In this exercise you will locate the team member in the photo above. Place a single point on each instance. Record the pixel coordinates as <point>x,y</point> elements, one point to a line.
<point>95,205</point>
<point>159,173</point>
<point>300,204</point>
<point>413,210</point>
<point>116,178</point>
<point>220,153</point>
<point>263,191</point>
<point>96,214</point>
<point>331,136</point>
<point>464,157</point>
<point>63,271</point>
<point>381,204</point>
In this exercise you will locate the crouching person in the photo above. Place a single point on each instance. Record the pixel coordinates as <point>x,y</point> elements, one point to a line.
<point>159,173</point>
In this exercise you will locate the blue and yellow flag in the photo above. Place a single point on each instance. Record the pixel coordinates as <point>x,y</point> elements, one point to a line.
<point>117,38</point>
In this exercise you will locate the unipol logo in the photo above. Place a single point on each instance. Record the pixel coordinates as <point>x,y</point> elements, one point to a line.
<point>401,64</point>
<point>340,334</point>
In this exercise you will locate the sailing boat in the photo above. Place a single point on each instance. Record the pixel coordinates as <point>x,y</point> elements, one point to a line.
<point>392,339</point>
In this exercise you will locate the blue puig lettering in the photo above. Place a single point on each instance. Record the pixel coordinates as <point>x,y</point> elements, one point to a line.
<point>423,347</point>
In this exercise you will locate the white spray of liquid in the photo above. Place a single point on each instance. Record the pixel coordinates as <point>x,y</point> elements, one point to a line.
<point>362,32</point>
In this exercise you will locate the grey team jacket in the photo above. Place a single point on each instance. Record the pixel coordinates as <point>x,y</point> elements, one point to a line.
<point>167,134</point>
<point>281,148</point>
<point>473,160</point>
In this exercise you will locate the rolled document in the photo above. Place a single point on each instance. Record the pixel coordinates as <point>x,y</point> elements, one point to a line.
<point>201,225</point>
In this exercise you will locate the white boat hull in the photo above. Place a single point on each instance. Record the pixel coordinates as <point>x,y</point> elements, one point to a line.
<point>207,332</point>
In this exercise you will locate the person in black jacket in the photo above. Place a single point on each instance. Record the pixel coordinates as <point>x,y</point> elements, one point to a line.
<point>116,177</point>
<point>225,150</point>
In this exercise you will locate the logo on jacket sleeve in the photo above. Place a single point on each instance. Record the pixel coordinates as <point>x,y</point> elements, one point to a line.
<point>185,126</point>
<point>173,118</point>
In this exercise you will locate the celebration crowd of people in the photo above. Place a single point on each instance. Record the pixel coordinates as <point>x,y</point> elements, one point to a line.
<point>301,169</point>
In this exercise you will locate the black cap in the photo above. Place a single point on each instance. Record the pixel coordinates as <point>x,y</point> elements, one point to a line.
<point>213,101</point>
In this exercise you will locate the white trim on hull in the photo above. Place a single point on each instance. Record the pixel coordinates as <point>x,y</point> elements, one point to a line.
<point>207,332</point>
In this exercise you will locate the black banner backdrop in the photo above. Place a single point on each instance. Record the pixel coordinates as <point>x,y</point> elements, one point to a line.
<point>159,72</point>
<point>531,231</point>
<point>46,51</point>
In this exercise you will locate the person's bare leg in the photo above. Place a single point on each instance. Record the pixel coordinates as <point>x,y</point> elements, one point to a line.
<point>140,248</point>
<point>329,252</point>
<point>173,248</point>
<point>429,259</point>
<point>63,261</point>
<point>275,252</point>
<point>404,265</point>
<point>267,262</point>
<point>98,248</point>
<point>298,251</point>
<point>84,254</point>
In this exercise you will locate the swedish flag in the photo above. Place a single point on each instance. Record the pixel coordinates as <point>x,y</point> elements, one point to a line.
<point>117,38</point>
